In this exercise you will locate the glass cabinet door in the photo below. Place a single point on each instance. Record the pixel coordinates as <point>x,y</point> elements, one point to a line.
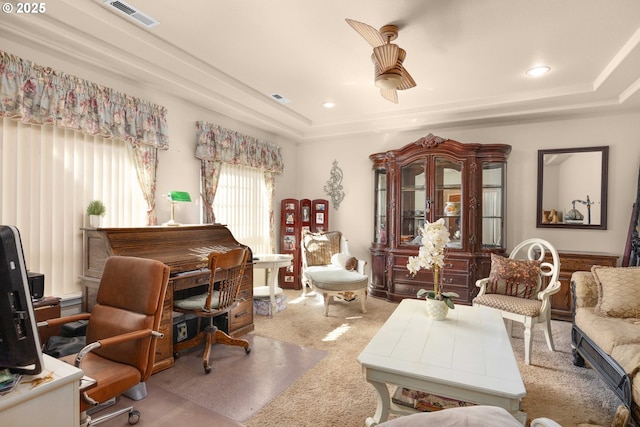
<point>380,219</point>
<point>412,202</point>
<point>447,202</point>
<point>493,202</point>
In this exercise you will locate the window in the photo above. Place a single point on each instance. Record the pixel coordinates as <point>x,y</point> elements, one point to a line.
<point>241,203</point>
<point>48,175</point>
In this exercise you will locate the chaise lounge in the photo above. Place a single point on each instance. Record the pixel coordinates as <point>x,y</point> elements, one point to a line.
<point>329,268</point>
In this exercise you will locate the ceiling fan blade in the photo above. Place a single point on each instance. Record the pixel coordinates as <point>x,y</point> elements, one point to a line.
<point>386,56</point>
<point>389,95</point>
<point>370,34</point>
<point>406,81</point>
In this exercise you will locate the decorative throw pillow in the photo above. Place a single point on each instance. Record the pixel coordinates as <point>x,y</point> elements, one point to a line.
<point>618,291</point>
<point>514,277</point>
<point>351,263</point>
<point>320,247</point>
<point>345,261</point>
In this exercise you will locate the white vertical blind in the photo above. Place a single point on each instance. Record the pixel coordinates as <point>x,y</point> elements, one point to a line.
<point>47,179</point>
<point>241,202</point>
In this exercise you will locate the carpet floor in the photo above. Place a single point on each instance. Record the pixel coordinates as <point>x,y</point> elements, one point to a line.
<point>329,388</point>
<point>334,392</point>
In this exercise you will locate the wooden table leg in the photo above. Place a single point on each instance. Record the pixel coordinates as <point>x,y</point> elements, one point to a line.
<point>383,406</point>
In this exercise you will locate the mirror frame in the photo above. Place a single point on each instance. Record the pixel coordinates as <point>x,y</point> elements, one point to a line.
<point>604,175</point>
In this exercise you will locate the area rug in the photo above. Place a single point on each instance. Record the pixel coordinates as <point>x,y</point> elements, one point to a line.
<point>334,393</point>
<point>270,368</point>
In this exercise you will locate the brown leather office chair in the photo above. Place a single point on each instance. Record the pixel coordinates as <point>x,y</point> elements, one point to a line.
<point>122,330</point>
<point>227,271</point>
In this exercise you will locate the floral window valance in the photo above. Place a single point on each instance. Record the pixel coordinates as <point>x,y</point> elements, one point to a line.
<point>39,95</point>
<point>217,144</point>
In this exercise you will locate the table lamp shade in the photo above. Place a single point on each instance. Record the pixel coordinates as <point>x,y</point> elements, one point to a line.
<point>175,197</point>
<point>179,196</point>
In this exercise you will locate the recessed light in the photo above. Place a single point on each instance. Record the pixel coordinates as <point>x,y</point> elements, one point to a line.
<point>328,104</point>
<point>538,71</point>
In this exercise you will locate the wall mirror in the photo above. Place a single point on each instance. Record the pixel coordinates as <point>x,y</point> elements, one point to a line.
<point>572,188</point>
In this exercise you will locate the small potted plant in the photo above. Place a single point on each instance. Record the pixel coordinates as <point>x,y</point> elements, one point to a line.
<point>95,210</point>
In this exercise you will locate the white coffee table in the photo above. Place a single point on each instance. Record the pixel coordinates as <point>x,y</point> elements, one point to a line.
<point>467,356</point>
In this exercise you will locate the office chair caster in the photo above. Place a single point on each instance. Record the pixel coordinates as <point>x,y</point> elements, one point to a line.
<point>134,417</point>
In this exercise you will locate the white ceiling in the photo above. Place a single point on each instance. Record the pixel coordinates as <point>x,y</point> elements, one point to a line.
<point>468,57</point>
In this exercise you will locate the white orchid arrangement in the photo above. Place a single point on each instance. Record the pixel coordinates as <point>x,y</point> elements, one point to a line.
<point>435,237</point>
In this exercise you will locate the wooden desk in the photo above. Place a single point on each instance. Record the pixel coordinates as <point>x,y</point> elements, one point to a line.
<point>53,404</point>
<point>184,250</point>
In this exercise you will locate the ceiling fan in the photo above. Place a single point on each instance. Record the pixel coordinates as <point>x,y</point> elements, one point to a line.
<point>390,75</point>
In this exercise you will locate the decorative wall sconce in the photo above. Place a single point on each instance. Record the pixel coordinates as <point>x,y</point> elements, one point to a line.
<point>333,187</point>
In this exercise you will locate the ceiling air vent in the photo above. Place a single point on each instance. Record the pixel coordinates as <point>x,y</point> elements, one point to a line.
<point>281,99</point>
<point>132,12</point>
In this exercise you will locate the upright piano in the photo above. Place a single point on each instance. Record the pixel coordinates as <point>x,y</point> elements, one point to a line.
<point>184,249</point>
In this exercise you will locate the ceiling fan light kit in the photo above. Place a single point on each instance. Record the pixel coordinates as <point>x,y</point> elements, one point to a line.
<point>389,81</point>
<point>389,73</point>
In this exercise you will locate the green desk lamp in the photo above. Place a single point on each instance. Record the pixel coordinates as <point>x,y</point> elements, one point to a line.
<point>176,197</point>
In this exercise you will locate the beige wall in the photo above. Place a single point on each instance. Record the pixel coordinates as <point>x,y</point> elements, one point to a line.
<point>307,165</point>
<point>621,132</point>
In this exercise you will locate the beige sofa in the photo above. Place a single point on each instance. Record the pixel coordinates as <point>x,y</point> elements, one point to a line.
<point>606,328</point>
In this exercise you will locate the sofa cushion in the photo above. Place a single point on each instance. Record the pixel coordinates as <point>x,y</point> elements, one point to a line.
<point>586,290</point>
<point>338,280</point>
<point>618,291</point>
<point>513,277</point>
<point>605,331</point>
<point>319,247</point>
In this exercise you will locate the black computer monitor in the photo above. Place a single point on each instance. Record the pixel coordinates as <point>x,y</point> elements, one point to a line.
<point>19,340</point>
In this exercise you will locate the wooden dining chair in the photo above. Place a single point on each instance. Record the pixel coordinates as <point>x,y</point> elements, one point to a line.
<point>227,271</point>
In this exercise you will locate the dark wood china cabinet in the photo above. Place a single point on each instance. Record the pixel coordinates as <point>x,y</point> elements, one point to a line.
<point>426,180</point>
